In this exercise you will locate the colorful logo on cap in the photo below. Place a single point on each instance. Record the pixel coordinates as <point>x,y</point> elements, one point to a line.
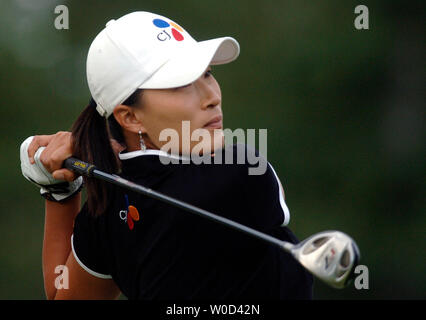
<point>164,35</point>
<point>130,215</point>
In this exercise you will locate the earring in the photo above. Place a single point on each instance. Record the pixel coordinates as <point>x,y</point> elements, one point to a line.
<point>142,143</point>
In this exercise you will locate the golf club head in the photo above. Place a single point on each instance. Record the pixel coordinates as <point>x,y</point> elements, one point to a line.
<point>330,255</point>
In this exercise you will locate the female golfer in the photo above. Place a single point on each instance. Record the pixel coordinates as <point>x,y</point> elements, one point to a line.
<point>146,74</point>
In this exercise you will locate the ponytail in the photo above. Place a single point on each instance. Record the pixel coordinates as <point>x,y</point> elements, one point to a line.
<point>92,144</point>
<point>92,136</point>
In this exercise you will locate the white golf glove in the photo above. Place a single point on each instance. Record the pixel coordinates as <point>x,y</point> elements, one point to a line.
<point>51,188</point>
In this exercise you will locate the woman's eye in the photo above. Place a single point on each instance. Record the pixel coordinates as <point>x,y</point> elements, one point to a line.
<point>183,87</point>
<point>206,75</point>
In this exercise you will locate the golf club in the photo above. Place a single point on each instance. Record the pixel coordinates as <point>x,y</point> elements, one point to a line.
<point>331,255</point>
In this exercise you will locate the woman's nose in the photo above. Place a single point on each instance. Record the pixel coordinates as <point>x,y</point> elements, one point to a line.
<point>209,93</point>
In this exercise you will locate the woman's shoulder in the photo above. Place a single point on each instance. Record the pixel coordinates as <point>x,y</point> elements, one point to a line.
<point>241,158</point>
<point>246,182</point>
<point>234,167</point>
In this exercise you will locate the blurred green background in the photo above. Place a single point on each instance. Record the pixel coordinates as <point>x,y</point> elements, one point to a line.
<point>344,109</point>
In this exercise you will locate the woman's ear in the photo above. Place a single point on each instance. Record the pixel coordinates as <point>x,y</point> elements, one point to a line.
<point>127,118</point>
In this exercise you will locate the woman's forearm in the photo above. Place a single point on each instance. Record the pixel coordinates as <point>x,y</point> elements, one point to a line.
<point>58,228</point>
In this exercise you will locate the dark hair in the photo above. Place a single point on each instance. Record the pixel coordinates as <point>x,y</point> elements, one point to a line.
<point>92,135</point>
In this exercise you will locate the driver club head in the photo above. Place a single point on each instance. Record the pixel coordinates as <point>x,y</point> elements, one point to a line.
<point>330,255</point>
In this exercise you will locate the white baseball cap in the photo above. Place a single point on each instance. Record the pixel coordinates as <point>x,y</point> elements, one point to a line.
<point>148,51</point>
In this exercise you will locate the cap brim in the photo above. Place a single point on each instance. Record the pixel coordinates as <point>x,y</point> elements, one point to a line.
<point>189,64</point>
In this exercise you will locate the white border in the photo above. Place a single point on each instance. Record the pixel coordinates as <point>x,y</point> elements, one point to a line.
<point>93,273</point>
<point>282,201</point>
<point>134,154</point>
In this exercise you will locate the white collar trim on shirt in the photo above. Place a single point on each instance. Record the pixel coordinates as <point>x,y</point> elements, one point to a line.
<point>138,153</point>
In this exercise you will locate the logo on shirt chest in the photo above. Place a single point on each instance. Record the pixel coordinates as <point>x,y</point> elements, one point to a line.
<point>130,214</point>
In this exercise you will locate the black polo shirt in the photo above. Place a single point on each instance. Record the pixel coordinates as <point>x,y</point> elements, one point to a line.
<point>169,253</point>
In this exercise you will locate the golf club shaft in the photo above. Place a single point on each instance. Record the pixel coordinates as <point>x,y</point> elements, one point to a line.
<point>91,171</point>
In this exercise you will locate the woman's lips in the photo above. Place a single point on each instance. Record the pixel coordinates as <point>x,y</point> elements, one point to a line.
<point>215,123</point>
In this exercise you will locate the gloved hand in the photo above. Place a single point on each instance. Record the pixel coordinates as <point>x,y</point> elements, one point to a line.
<point>50,188</point>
